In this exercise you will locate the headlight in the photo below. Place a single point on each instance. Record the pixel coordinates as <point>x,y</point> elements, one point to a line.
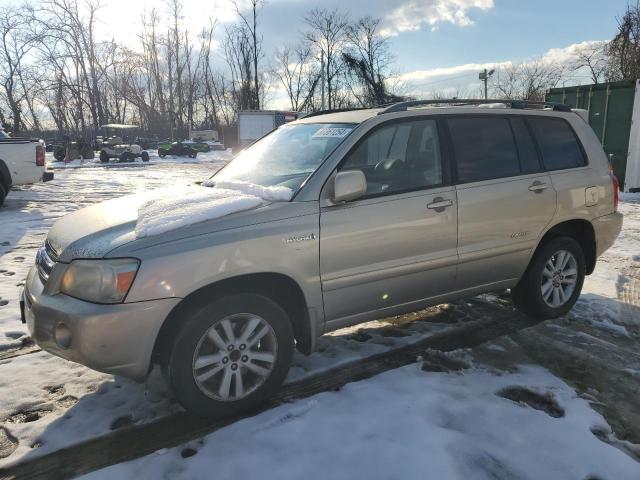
<point>100,281</point>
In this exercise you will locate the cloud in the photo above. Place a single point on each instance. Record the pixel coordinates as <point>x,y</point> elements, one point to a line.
<point>412,15</point>
<point>465,77</point>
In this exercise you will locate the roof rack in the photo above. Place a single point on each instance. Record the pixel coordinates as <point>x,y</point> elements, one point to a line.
<point>520,104</point>
<point>351,109</point>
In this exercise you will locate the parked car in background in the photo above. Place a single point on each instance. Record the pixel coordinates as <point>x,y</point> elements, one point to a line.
<point>22,161</point>
<point>180,149</point>
<point>388,210</point>
<point>197,146</point>
<point>119,146</point>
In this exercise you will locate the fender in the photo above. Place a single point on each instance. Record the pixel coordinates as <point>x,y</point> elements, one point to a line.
<point>5,175</point>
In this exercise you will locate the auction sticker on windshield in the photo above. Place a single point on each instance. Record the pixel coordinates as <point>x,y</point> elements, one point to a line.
<point>332,132</point>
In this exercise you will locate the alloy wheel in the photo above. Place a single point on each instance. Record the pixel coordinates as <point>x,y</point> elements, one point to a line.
<point>234,357</point>
<point>559,278</point>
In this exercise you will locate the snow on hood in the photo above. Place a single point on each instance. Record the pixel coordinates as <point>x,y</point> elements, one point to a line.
<point>170,209</point>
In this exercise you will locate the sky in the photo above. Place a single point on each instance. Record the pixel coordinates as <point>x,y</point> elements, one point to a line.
<point>437,43</point>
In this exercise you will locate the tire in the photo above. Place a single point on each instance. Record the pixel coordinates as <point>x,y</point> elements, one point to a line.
<point>528,294</point>
<point>104,156</point>
<point>3,193</point>
<point>162,152</point>
<point>124,157</point>
<point>145,156</point>
<point>59,154</point>
<point>204,398</point>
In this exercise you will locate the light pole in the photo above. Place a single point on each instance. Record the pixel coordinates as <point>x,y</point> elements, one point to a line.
<point>484,76</point>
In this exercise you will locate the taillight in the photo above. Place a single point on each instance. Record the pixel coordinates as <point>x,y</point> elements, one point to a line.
<point>616,189</point>
<point>39,155</point>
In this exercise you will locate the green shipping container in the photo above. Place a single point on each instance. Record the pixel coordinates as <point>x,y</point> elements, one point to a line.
<point>614,115</point>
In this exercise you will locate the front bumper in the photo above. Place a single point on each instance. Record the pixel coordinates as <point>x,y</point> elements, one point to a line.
<point>607,228</point>
<point>116,339</point>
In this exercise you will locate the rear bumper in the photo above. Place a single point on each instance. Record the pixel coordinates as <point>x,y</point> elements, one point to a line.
<point>116,339</point>
<point>607,228</point>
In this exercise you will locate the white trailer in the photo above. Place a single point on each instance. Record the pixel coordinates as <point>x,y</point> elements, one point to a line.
<point>255,124</point>
<point>204,135</point>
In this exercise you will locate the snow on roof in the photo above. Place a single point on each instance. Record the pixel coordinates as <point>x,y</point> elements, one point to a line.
<point>170,209</point>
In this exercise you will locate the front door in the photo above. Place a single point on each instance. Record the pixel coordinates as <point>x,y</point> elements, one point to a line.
<point>395,247</point>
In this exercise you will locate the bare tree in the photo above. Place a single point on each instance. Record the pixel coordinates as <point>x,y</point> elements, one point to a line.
<point>16,42</point>
<point>624,50</point>
<point>298,75</point>
<point>328,33</point>
<point>593,57</point>
<point>368,60</point>
<point>250,22</point>
<point>527,80</point>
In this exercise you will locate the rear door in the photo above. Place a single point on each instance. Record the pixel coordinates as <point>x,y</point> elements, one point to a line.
<point>505,199</point>
<point>396,246</point>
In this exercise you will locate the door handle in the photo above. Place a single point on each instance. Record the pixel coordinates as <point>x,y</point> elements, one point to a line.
<point>439,204</point>
<point>538,187</point>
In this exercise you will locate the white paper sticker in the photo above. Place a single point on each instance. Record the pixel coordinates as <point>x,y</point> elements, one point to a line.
<point>332,132</point>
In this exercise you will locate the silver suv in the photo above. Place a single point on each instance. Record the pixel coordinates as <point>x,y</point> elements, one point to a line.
<point>392,209</point>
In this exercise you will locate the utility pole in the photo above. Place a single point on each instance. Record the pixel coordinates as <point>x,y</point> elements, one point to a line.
<point>322,107</point>
<point>484,76</point>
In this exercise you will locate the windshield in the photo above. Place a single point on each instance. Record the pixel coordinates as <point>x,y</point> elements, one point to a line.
<point>287,156</point>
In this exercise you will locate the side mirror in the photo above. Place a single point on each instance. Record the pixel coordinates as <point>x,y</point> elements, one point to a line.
<point>349,185</point>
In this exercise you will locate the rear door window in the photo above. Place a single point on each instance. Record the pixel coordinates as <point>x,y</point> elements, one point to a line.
<point>558,143</point>
<point>484,148</point>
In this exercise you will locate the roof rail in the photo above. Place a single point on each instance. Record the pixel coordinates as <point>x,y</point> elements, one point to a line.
<point>350,109</point>
<point>521,104</point>
<point>334,110</point>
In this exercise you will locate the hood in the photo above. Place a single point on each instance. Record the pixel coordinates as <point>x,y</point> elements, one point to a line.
<point>97,230</point>
<point>93,231</point>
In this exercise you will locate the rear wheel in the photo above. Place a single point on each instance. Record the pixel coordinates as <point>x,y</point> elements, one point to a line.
<point>145,156</point>
<point>125,157</point>
<point>3,192</point>
<point>104,156</point>
<point>231,355</point>
<point>553,281</point>
<point>162,152</point>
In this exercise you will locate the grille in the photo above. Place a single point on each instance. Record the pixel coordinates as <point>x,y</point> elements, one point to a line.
<point>45,261</point>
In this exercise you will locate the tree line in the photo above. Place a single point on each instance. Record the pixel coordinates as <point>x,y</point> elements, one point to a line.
<point>56,72</point>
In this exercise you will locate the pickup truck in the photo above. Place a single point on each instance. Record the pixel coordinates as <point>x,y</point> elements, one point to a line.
<point>21,162</point>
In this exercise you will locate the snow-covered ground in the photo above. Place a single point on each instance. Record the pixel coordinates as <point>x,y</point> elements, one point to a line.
<point>406,423</point>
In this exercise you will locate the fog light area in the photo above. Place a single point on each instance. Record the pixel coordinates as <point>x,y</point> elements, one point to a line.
<point>62,335</point>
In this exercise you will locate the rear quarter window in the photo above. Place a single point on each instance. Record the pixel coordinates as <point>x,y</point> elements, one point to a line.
<point>558,143</point>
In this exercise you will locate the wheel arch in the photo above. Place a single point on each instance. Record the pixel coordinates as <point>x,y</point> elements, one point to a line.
<point>581,231</point>
<point>281,288</point>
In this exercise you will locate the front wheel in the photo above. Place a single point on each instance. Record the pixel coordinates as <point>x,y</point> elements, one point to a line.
<point>162,152</point>
<point>230,356</point>
<point>104,156</point>
<point>145,156</point>
<point>553,281</point>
